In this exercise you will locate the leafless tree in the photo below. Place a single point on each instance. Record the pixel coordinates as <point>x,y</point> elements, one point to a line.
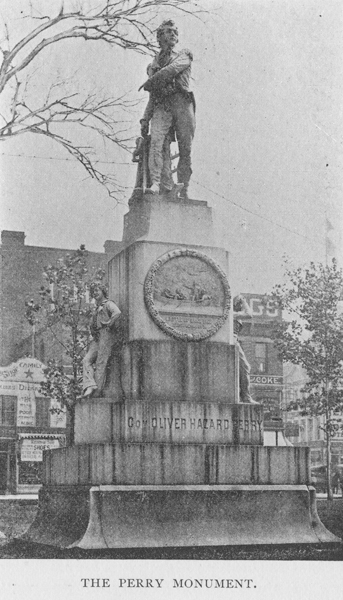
<point>127,24</point>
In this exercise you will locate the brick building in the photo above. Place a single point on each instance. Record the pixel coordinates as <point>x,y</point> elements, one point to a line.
<point>21,269</point>
<point>266,368</point>
<point>257,343</point>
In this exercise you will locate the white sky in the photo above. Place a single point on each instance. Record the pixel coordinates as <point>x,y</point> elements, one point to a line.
<point>267,81</point>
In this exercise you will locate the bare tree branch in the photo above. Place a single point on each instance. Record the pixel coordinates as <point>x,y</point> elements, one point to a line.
<point>127,24</point>
<point>91,114</point>
<point>15,101</point>
<point>115,23</point>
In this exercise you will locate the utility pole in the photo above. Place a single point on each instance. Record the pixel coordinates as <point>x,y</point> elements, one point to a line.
<point>328,441</point>
<point>33,340</point>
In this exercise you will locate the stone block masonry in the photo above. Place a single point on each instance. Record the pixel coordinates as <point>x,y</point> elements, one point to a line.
<point>177,464</point>
<point>114,516</point>
<point>103,420</point>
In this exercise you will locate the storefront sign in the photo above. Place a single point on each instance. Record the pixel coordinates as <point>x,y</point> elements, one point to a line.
<point>26,412</point>
<point>8,388</point>
<point>266,379</point>
<point>32,449</point>
<point>263,307</point>
<point>25,369</point>
<point>23,380</point>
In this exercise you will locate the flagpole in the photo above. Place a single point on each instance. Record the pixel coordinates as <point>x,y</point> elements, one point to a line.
<point>326,238</point>
<point>329,246</point>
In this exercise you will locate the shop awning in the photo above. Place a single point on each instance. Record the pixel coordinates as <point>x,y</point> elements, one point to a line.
<point>41,436</point>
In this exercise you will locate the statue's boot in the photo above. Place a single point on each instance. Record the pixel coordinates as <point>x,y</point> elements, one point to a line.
<point>183,195</point>
<point>178,188</point>
<point>154,189</point>
<point>89,391</point>
<point>248,400</point>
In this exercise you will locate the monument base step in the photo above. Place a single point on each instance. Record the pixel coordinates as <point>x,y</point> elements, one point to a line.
<point>110,516</point>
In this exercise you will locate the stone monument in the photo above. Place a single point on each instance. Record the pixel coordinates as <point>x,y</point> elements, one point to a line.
<point>169,455</point>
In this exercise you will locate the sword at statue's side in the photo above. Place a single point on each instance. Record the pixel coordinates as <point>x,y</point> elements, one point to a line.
<point>145,159</point>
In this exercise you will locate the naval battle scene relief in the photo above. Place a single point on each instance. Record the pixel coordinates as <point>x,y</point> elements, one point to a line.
<point>189,294</point>
<point>188,285</point>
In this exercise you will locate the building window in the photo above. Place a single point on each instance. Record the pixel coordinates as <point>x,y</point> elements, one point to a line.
<point>261,357</point>
<point>7,410</point>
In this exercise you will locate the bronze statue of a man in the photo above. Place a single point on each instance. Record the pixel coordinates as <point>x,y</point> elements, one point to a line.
<point>171,107</point>
<point>101,346</point>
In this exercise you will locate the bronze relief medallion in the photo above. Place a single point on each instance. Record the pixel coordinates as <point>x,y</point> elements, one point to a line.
<point>187,294</point>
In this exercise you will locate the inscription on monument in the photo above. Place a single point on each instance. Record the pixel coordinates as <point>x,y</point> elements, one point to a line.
<point>194,422</point>
<point>179,423</point>
<point>187,295</point>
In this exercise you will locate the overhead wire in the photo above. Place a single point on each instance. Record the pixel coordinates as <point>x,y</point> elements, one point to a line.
<point>105,162</point>
<point>255,214</point>
<point>247,210</point>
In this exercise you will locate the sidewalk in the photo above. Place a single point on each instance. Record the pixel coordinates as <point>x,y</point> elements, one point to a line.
<point>32,497</point>
<point>321,496</point>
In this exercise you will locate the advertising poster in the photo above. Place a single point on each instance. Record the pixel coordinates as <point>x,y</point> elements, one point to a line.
<point>32,449</point>
<point>26,415</point>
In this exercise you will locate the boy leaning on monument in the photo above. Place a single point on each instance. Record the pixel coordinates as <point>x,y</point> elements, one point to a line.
<point>102,343</point>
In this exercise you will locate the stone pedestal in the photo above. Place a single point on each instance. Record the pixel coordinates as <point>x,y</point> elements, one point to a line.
<point>167,370</point>
<point>137,516</point>
<point>104,420</point>
<point>169,456</point>
<point>156,219</point>
<point>176,464</point>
